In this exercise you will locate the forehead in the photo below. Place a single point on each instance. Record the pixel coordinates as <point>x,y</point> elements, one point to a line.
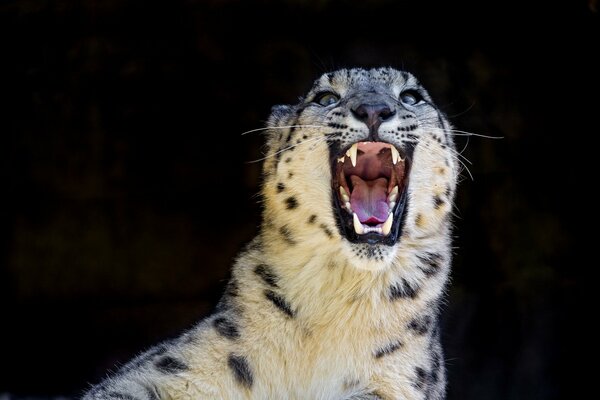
<point>363,78</point>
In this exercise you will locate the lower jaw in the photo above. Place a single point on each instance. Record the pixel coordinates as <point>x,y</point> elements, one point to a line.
<point>346,226</point>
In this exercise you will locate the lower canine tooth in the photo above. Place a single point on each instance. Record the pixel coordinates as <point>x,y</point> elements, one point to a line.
<point>348,206</point>
<point>387,225</point>
<point>358,227</point>
<point>393,194</point>
<point>344,194</point>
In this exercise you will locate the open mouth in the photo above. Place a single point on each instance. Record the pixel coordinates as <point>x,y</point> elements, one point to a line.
<point>369,182</point>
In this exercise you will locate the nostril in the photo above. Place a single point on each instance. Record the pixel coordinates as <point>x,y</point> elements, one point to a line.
<point>361,112</point>
<point>386,113</point>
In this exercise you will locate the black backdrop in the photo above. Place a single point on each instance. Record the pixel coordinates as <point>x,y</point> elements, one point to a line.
<point>127,189</point>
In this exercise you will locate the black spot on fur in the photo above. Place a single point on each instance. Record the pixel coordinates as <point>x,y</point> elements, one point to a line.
<point>291,203</point>
<point>431,263</point>
<point>280,187</point>
<point>312,219</point>
<point>287,235</point>
<point>266,274</point>
<point>226,328</point>
<point>147,357</point>
<point>390,348</point>
<point>287,160</point>
<point>337,126</point>
<point>437,202</point>
<point>420,325</point>
<point>290,174</point>
<point>241,370</point>
<point>422,378</point>
<point>280,303</point>
<point>170,365</point>
<point>402,290</point>
<point>120,396</point>
<point>326,230</point>
<point>228,299</point>
<point>232,289</point>
<point>151,393</point>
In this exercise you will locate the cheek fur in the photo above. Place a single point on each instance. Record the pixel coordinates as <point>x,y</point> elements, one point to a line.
<point>432,185</point>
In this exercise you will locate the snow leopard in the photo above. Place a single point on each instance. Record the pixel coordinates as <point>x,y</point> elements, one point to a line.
<point>339,294</point>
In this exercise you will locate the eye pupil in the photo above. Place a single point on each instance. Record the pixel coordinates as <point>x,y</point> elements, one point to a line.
<point>327,99</point>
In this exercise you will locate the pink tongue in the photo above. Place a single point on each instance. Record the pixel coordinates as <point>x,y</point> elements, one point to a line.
<point>369,199</point>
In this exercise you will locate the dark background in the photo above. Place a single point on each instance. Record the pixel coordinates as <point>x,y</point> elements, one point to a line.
<point>127,191</point>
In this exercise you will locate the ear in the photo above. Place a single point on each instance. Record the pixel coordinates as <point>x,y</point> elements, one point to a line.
<point>279,115</point>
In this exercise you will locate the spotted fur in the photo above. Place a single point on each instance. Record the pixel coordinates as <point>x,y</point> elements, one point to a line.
<point>308,314</point>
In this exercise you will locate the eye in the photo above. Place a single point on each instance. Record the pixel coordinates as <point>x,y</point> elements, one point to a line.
<point>411,97</point>
<point>326,99</point>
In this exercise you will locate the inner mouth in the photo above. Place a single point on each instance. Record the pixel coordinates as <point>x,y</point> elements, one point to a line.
<point>370,180</point>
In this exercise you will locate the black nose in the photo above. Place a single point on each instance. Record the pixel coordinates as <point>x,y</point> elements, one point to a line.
<point>373,115</point>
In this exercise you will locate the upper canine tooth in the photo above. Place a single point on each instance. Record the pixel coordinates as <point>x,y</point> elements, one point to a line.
<point>358,227</point>
<point>344,194</point>
<point>352,153</point>
<point>387,225</point>
<point>395,155</point>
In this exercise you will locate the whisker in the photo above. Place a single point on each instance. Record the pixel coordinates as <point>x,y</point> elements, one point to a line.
<point>281,127</point>
<point>287,148</point>
<point>457,132</point>
<point>455,154</point>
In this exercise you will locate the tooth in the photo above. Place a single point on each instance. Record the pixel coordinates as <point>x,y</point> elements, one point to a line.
<point>341,159</point>
<point>358,227</point>
<point>392,204</point>
<point>344,194</point>
<point>395,155</point>
<point>387,225</point>
<point>352,153</point>
<point>348,206</point>
<point>393,194</point>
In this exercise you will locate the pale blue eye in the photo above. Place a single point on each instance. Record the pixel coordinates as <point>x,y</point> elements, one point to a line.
<point>327,99</point>
<point>411,97</point>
